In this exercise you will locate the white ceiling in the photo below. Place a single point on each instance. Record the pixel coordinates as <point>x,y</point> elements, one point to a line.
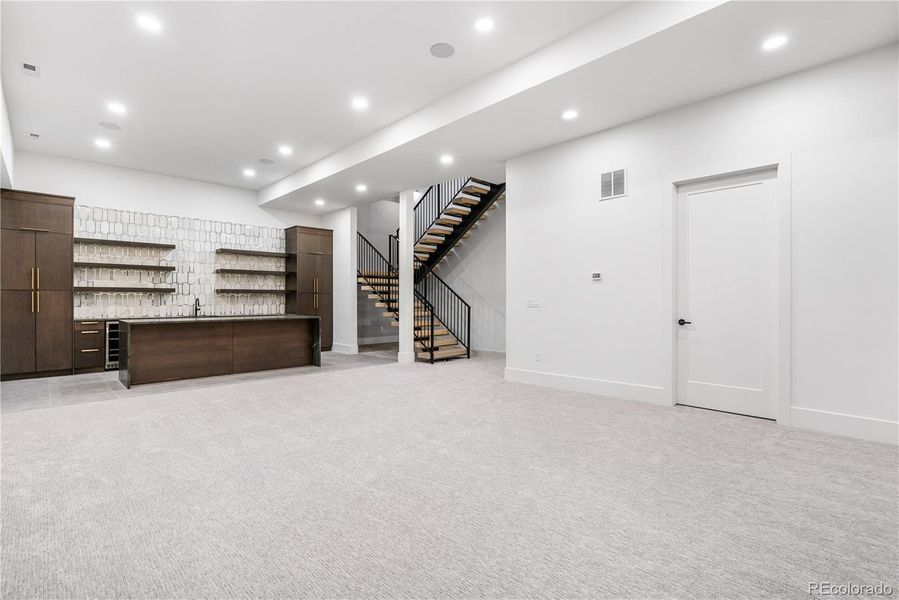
<point>704,56</point>
<point>225,83</point>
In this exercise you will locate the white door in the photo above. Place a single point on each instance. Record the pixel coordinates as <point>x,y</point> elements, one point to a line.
<point>727,294</point>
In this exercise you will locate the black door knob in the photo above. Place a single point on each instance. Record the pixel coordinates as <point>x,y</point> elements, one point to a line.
<point>682,322</point>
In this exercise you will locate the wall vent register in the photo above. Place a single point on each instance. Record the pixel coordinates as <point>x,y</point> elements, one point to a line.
<point>613,184</point>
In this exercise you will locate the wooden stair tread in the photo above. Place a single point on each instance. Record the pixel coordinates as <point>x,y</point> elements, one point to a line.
<point>475,187</point>
<point>440,341</point>
<point>445,353</point>
<point>457,210</point>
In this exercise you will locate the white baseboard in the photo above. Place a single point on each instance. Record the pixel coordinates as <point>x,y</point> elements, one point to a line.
<point>384,339</point>
<point>875,430</point>
<point>603,387</point>
<point>345,348</point>
<point>405,357</point>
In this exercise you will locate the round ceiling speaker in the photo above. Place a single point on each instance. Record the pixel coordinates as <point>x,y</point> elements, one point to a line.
<point>442,50</point>
<point>266,161</point>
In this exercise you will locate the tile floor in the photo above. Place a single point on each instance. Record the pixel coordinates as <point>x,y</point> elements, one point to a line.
<point>46,392</point>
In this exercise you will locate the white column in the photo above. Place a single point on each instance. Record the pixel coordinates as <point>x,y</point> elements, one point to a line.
<point>343,224</point>
<point>408,198</point>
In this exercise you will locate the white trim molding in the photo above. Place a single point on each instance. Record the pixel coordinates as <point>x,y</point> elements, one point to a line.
<point>380,339</point>
<point>345,348</point>
<point>866,428</point>
<point>603,387</point>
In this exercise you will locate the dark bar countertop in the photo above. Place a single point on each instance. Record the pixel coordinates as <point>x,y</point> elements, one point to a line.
<point>214,318</point>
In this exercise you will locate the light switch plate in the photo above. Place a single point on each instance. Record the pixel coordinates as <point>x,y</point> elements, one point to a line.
<point>532,303</point>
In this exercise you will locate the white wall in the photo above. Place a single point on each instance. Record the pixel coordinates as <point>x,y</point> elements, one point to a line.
<point>104,186</point>
<point>7,153</point>
<point>377,221</point>
<point>477,272</point>
<point>343,223</point>
<point>839,124</point>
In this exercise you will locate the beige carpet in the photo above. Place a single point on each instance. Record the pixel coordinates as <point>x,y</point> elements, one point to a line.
<point>431,481</point>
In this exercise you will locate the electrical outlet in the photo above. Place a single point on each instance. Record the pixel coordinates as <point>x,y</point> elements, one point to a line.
<point>532,303</point>
<point>536,357</point>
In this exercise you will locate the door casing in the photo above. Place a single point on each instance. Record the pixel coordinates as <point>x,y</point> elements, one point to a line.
<point>783,185</point>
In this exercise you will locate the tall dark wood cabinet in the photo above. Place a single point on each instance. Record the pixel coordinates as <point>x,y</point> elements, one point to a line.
<point>36,245</point>
<point>310,276</point>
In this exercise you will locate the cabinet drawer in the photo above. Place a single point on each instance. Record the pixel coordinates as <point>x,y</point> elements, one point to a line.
<point>90,338</point>
<point>89,357</point>
<point>90,325</point>
<point>18,211</point>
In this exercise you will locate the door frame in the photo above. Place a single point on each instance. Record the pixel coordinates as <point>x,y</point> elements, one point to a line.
<point>783,184</point>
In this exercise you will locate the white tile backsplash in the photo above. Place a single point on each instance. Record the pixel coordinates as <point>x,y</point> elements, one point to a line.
<point>194,259</point>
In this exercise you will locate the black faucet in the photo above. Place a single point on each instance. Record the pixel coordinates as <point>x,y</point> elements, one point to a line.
<point>196,307</point>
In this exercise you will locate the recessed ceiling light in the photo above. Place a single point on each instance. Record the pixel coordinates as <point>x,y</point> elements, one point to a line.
<point>569,115</point>
<point>117,108</point>
<point>359,103</point>
<point>102,143</point>
<point>361,187</point>
<point>108,125</point>
<point>774,42</point>
<point>484,25</point>
<point>148,23</point>
<point>249,173</point>
<point>266,161</point>
<point>319,202</point>
<point>447,159</point>
<point>442,50</point>
<point>285,150</point>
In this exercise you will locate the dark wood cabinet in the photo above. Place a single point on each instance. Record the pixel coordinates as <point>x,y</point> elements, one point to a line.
<point>90,346</point>
<point>172,349</point>
<point>32,211</point>
<point>36,283</point>
<point>17,341</point>
<point>53,261</point>
<point>17,258</point>
<point>310,277</point>
<point>52,330</point>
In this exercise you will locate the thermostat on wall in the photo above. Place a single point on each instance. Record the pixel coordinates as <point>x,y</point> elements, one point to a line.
<point>597,276</point>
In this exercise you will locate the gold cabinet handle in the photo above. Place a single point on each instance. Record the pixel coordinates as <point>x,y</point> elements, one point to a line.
<point>38,283</point>
<point>88,332</point>
<point>32,301</point>
<point>89,322</point>
<point>91,350</point>
<point>33,229</point>
<point>32,277</point>
<point>38,301</point>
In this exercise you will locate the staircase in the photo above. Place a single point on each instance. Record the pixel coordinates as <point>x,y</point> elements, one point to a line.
<point>441,328</point>
<point>447,214</point>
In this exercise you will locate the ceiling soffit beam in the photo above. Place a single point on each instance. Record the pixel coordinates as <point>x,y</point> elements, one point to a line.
<point>613,32</point>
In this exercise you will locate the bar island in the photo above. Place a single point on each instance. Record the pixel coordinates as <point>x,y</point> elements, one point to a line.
<point>169,349</point>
